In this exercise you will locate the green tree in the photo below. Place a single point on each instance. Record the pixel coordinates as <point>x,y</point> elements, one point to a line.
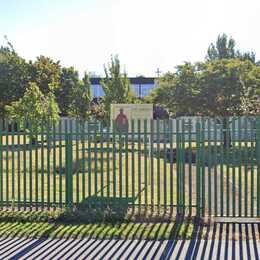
<point>69,80</point>
<point>224,48</point>
<point>33,109</point>
<point>178,91</point>
<point>81,99</point>
<point>14,77</point>
<point>229,87</point>
<point>46,74</point>
<point>116,86</point>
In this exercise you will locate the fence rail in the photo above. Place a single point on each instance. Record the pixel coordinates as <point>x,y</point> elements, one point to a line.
<point>209,168</point>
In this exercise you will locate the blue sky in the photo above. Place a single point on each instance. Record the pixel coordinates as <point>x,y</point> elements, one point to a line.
<point>146,34</point>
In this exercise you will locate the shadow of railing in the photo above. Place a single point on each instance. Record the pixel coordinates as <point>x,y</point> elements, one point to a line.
<point>207,240</point>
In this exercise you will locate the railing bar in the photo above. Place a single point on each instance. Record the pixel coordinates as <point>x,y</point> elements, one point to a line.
<point>246,168</point>
<point>54,163</point>
<point>89,164</point>
<point>209,165</point>
<point>48,165</point>
<point>77,160</point>
<point>171,162</point>
<point>120,165</point>
<point>133,159</point>
<point>13,161</point>
<point>258,164</point>
<point>36,170</point>
<point>7,162</point>
<point>152,162</point>
<point>1,163</point>
<point>60,165</point>
<point>145,163</point>
<point>139,164</point>
<point>83,151</point>
<point>252,177</point>
<point>126,165</point>
<point>108,164</point>
<point>18,168</point>
<point>233,170</point>
<point>114,161</point>
<point>239,169</point>
<point>203,159</point>
<point>164,165</point>
<point>42,166</point>
<point>158,162</point>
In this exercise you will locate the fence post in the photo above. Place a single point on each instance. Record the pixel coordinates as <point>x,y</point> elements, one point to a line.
<point>68,170</point>
<point>180,171</point>
<point>198,179</point>
<point>258,164</point>
<point>1,163</point>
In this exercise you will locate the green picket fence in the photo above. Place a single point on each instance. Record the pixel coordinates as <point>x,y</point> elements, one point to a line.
<point>189,166</point>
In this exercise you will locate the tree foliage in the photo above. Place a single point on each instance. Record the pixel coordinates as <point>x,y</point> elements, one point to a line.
<point>178,91</point>
<point>215,88</point>
<point>14,77</point>
<point>224,48</point>
<point>116,86</point>
<point>69,81</point>
<point>81,99</point>
<point>229,87</point>
<point>34,107</point>
<point>226,84</point>
<point>46,74</point>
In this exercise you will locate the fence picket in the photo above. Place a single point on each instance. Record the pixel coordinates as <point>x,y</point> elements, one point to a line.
<point>108,136</point>
<point>77,160</point>
<point>126,166</point>
<point>101,162</point>
<point>246,167</point>
<point>12,162</point>
<point>89,162</point>
<point>1,164</point>
<point>152,162</point>
<point>221,169</point>
<point>139,169</point>
<point>213,168</point>
<point>36,167</point>
<point>227,149</point>
<point>60,164</point>
<point>158,163</point>
<point>258,164</point>
<point>145,141</point>
<point>24,164</point>
<point>171,164</point>
<point>7,163</point>
<point>18,168</point>
<point>133,159</point>
<point>233,168</point>
<point>203,161</point>
<point>83,152</point>
<point>53,164</point>
<point>198,167</point>
<point>114,161</point>
<point>240,155</point>
<point>42,166</point>
<point>164,165</point>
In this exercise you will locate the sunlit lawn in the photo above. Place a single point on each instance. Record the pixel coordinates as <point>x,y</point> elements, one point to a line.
<point>107,174</point>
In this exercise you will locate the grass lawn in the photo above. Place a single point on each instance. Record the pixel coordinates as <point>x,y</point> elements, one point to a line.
<point>36,225</point>
<point>37,173</point>
<point>130,176</point>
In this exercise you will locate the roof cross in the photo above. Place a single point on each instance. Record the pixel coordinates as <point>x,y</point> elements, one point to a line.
<point>158,72</point>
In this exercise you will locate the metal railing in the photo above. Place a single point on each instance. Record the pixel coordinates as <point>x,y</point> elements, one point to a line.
<point>203,170</point>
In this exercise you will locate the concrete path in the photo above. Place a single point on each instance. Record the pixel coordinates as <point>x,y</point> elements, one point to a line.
<point>225,241</point>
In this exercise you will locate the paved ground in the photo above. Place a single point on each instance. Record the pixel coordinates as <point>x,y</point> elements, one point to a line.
<point>224,241</point>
